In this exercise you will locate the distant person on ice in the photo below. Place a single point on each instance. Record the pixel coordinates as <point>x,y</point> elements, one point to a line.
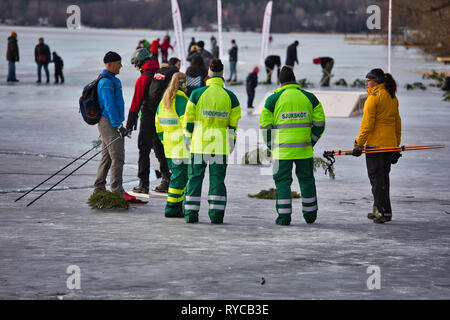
<point>165,46</point>
<point>12,55</point>
<point>59,65</point>
<point>110,127</point>
<point>270,62</point>
<point>210,125</point>
<point>327,64</point>
<point>381,127</point>
<point>199,49</point>
<point>233,59</point>
<point>42,58</point>
<point>292,121</point>
<point>291,55</point>
<point>251,83</point>
<point>154,48</point>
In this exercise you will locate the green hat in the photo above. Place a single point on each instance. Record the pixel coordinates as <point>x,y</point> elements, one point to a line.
<point>140,56</point>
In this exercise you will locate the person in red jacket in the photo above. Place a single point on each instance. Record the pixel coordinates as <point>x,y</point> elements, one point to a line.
<point>154,48</point>
<point>165,45</point>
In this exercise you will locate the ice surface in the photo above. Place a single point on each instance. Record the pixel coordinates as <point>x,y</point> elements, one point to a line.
<point>141,254</point>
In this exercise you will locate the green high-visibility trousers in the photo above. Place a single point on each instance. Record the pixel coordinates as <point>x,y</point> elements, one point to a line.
<point>177,186</point>
<point>282,175</point>
<point>217,195</point>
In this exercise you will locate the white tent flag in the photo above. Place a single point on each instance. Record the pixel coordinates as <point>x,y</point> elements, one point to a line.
<point>178,27</point>
<point>265,32</point>
<point>219,27</point>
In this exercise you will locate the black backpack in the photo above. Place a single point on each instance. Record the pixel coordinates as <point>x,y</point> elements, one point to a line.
<point>89,107</point>
<point>156,88</point>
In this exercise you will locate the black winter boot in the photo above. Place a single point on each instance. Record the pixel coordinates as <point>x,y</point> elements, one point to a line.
<point>163,186</point>
<point>141,188</point>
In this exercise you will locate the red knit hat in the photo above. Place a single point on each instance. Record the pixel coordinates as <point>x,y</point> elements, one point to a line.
<point>255,70</point>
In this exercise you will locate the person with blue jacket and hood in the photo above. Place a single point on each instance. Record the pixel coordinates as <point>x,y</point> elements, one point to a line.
<point>110,127</point>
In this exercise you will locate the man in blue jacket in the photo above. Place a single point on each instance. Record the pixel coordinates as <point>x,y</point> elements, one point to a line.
<point>110,98</point>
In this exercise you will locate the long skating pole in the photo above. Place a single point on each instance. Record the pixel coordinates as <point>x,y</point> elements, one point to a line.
<point>40,196</point>
<point>55,173</point>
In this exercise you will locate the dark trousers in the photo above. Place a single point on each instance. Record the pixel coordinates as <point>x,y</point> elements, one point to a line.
<point>148,140</point>
<point>326,71</point>
<point>59,75</point>
<point>11,70</point>
<point>39,69</point>
<point>378,168</point>
<point>251,97</point>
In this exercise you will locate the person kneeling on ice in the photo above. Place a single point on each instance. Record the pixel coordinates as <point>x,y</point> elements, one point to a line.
<point>292,121</point>
<point>251,83</point>
<point>381,127</point>
<point>169,127</point>
<point>110,99</point>
<point>211,121</point>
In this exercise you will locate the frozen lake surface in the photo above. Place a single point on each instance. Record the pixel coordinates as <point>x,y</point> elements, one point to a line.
<point>140,254</point>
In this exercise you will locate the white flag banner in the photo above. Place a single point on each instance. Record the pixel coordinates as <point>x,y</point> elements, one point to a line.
<point>265,32</point>
<point>178,28</point>
<point>219,27</point>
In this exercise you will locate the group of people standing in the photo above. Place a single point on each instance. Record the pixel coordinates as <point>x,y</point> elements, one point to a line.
<point>199,129</point>
<point>42,57</point>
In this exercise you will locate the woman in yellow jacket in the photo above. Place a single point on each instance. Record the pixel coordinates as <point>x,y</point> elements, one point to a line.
<point>169,127</point>
<point>380,128</point>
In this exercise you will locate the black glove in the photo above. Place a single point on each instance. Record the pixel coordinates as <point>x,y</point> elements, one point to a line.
<point>395,157</point>
<point>132,120</point>
<point>123,132</point>
<point>357,151</point>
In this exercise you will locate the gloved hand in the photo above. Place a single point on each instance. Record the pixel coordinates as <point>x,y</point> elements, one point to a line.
<point>123,132</point>
<point>132,121</point>
<point>187,142</point>
<point>395,157</point>
<point>357,150</point>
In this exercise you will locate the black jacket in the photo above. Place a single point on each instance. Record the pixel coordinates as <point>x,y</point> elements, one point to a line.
<point>43,51</point>
<point>251,81</point>
<point>291,55</point>
<point>157,86</point>
<point>195,71</point>
<point>272,61</point>
<point>59,63</point>
<point>12,53</point>
<point>233,53</point>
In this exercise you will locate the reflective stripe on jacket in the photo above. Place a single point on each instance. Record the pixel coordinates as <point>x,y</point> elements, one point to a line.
<point>210,113</point>
<point>381,124</point>
<point>169,127</point>
<point>292,121</point>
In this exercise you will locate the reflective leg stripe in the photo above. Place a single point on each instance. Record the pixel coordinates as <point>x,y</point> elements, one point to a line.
<point>174,200</point>
<point>176,191</point>
<point>213,206</point>
<point>309,209</point>
<point>217,198</point>
<point>318,124</point>
<point>314,137</point>
<point>284,210</point>
<point>196,199</point>
<point>293,145</point>
<point>191,207</point>
<point>284,201</point>
<point>309,200</point>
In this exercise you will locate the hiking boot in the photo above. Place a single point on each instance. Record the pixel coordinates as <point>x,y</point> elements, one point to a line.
<point>141,188</point>
<point>381,217</point>
<point>371,215</point>
<point>163,186</point>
